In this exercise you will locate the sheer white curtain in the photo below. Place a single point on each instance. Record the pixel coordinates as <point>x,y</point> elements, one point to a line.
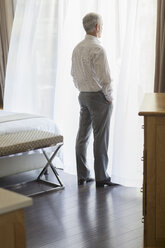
<point>38,73</point>
<point>136,77</point>
<point>32,62</point>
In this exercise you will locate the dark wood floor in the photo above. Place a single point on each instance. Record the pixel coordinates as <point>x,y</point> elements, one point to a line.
<point>85,217</point>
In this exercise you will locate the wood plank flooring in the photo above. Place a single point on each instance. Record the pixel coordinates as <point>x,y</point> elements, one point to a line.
<point>85,217</point>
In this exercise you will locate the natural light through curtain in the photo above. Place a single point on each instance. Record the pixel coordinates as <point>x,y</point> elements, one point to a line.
<point>136,77</point>
<point>32,60</point>
<point>38,72</point>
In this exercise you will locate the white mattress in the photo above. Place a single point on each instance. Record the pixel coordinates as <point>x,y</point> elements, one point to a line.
<point>40,123</point>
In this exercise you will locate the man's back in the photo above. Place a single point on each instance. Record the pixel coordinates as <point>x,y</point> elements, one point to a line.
<point>86,65</point>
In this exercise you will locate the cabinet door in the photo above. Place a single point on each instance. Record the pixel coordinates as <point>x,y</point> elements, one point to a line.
<point>154,174</point>
<point>160,180</point>
<point>12,230</point>
<point>149,181</point>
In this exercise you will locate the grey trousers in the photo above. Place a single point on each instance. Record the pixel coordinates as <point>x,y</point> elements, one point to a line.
<point>95,113</point>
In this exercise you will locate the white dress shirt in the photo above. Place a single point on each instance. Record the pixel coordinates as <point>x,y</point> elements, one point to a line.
<point>90,69</point>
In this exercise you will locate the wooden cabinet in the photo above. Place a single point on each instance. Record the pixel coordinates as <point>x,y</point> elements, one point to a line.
<point>153,110</point>
<point>12,223</point>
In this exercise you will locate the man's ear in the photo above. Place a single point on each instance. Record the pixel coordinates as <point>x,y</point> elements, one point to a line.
<point>97,27</point>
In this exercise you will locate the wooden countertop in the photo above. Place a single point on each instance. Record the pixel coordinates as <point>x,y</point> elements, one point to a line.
<point>153,104</point>
<point>10,201</point>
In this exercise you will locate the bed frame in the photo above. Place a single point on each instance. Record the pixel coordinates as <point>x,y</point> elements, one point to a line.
<point>23,141</point>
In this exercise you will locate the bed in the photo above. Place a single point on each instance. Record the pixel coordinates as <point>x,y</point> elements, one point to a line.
<point>26,143</point>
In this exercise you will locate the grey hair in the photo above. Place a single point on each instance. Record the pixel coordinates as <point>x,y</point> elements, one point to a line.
<point>90,20</point>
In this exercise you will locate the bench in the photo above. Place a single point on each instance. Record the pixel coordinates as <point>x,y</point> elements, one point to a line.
<point>31,140</point>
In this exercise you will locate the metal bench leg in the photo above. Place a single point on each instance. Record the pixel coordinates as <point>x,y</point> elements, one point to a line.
<point>53,168</point>
<point>49,163</point>
<point>53,186</point>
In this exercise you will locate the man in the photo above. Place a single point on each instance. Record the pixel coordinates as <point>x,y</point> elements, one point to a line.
<point>91,75</point>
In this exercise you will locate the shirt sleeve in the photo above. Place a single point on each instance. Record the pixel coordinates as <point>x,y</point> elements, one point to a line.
<point>102,72</point>
<point>73,74</point>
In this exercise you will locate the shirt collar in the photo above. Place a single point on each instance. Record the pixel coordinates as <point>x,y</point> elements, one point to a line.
<point>91,37</point>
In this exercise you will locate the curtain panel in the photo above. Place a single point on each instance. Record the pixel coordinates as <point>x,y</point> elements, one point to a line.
<point>160,48</point>
<point>6,20</point>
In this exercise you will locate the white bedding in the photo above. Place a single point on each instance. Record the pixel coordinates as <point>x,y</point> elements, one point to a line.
<point>40,123</point>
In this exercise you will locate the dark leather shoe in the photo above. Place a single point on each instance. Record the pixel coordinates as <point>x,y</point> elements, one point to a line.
<point>83,181</point>
<point>105,183</point>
